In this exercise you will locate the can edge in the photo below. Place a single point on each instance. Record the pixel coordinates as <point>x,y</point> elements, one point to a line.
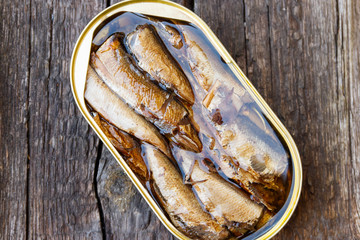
<point>245,82</point>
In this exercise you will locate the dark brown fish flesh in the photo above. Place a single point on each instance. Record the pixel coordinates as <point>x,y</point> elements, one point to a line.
<point>127,145</point>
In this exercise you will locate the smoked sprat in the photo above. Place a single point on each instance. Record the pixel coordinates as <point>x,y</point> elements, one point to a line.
<point>186,127</point>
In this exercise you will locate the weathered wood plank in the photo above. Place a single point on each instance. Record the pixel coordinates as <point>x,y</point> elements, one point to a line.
<point>63,147</point>
<point>307,63</point>
<point>258,54</point>
<point>303,57</point>
<point>14,47</point>
<point>226,20</point>
<point>350,17</point>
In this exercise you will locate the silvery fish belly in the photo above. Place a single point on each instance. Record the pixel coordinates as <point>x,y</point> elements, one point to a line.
<point>186,126</point>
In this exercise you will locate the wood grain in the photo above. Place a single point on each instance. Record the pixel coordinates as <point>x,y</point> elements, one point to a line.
<point>314,105</point>
<point>62,203</point>
<point>58,182</point>
<point>14,78</point>
<point>258,54</point>
<point>226,20</point>
<point>350,19</point>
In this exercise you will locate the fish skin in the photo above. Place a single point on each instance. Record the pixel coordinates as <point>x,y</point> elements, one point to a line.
<point>114,66</point>
<point>253,161</point>
<point>173,35</point>
<point>199,64</point>
<point>270,194</point>
<point>178,200</point>
<point>227,204</point>
<point>168,34</point>
<point>147,46</point>
<point>222,92</point>
<point>250,152</point>
<point>248,160</point>
<point>114,110</point>
<point>128,147</point>
<point>206,65</point>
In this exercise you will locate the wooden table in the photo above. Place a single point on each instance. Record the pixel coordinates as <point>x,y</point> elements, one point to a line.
<point>57,181</point>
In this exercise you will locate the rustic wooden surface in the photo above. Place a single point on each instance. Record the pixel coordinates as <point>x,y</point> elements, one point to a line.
<point>57,181</point>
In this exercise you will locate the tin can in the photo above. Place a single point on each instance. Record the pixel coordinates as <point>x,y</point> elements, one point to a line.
<point>167,9</point>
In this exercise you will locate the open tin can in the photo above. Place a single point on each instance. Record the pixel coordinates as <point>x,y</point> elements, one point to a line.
<point>169,10</point>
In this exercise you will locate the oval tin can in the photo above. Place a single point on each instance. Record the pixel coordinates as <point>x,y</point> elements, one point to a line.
<point>167,9</point>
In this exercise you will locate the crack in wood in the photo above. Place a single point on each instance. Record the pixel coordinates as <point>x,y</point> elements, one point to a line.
<point>96,172</point>
<point>95,185</point>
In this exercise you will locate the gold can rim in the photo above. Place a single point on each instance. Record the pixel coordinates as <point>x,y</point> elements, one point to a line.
<point>79,62</point>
